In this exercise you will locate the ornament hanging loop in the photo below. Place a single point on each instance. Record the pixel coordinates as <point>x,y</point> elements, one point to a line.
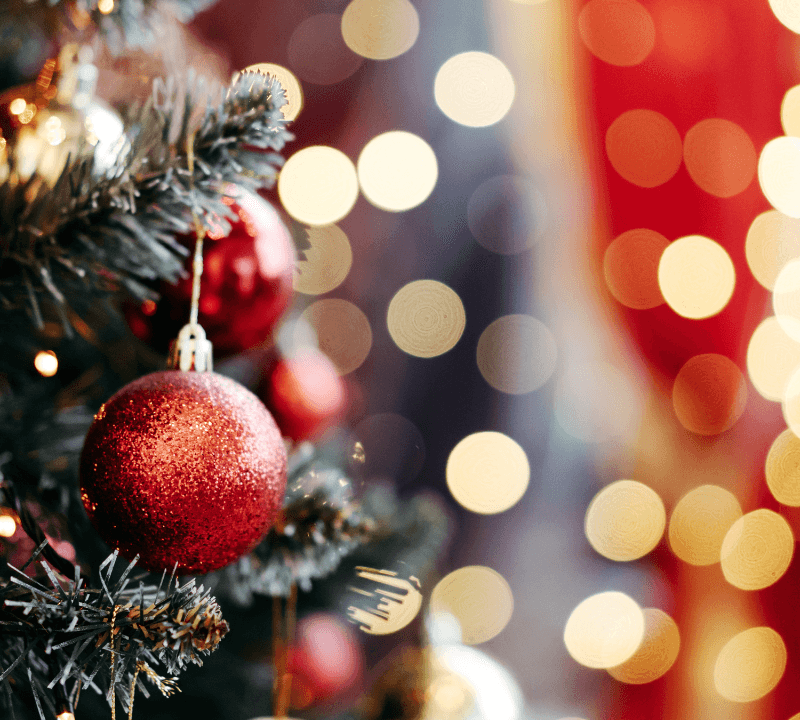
<point>191,350</point>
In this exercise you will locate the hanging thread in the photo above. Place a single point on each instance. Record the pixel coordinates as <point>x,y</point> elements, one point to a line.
<point>113,664</point>
<point>200,232</point>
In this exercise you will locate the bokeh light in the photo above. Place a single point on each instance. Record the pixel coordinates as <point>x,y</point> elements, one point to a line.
<point>290,84</point>
<point>699,523</point>
<point>720,157</point>
<point>630,265</point>
<point>397,171</point>
<point>326,262</point>
<point>619,33</point>
<point>604,630</point>
<point>773,239</point>
<point>786,299</point>
<point>790,111</point>
<point>772,358</point>
<point>506,214</point>
<point>657,653</point>
<point>8,526</point>
<point>343,332</point>
<point>426,318</point>
<point>46,363</point>
<point>690,33</point>
<point>788,12</point>
<point>380,29</point>
<point>644,147</point>
<point>479,598</point>
<point>474,89</point>
<point>625,520</point>
<point>757,550</point>
<point>779,174</point>
<point>317,51</point>
<point>318,185</point>
<point>696,277</point>
<point>709,394</point>
<point>782,469</point>
<point>750,665</point>
<point>487,472</point>
<point>398,602</point>
<point>517,354</point>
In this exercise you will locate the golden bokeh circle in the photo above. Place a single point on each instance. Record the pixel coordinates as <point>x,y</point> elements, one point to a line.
<point>782,469</point>
<point>786,298</point>
<point>720,157</point>
<point>773,239</point>
<point>779,174</point>
<point>657,653</point>
<point>517,354</point>
<point>380,29</point>
<point>787,12</point>
<point>318,185</point>
<point>709,394</point>
<point>619,32</point>
<point>750,665</point>
<point>644,147</point>
<point>772,358</point>
<point>397,171</point>
<point>699,523</point>
<point>46,363</point>
<point>625,520</point>
<point>487,472</point>
<point>426,318</point>
<point>326,262</point>
<point>479,598</point>
<point>343,332</point>
<point>290,84</point>
<point>630,265</point>
<point>604,630</point>
<point>474,89</point>
<point>790,111</point>
<point>757,550</point>
<point>696,277</point>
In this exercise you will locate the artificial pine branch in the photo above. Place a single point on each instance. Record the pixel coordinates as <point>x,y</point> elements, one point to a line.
<point>94,231</point>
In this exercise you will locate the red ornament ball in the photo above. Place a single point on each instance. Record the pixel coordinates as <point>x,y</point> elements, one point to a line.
<point>245,288</point>
<point>306,395</point>
<point>183,467</point>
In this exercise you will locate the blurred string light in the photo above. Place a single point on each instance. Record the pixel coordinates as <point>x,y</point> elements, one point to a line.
<point>720,157</point>
<point>290,84</point>
<point>474,89</point>
<point>17,106</point>
<point>105,6</point>
<point>8,525</point>
<point>317,52</point>
<point>790,111</point>
<point>326,263</point>
<point>506,214</point>
<point>46,363</point>
<point>426,318</point>
<point>786,299</point>
<point>479,599</point>
<point>644,147</point>
<point>709,394</point>
<point>787,13</point>
<point>656,654</point>
<point>630,266</point>
<point>397,171</point>
<point>318,185</point>
<point>343,332</point>
<point>625,520</point>
<point>782,469</point>
<point>757,550</point>
<point>696,277</point>
<point>699,523</point>
<point>779,174</point>
<point>517,354</point>
<point>773,239</point>
<point>750,665</point>
<point>772,358</point>
<point>487,472</point>
<point>619,33</point>
<point>604,630</point>
<point>380,29</point>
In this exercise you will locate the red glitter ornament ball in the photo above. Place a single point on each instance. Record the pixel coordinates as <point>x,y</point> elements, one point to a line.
<point>183,467</point>
<point>245,288</point>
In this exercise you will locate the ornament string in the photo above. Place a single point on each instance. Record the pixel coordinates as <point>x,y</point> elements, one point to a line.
<point>113,665</point>
<point>200,233</point>
<point>283,629</point>
<point>139,666</point>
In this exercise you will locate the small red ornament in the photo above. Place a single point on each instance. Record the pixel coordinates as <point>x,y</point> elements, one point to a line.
<point>306,395</point>
<point>245,287</point>
<point>183,467</point>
